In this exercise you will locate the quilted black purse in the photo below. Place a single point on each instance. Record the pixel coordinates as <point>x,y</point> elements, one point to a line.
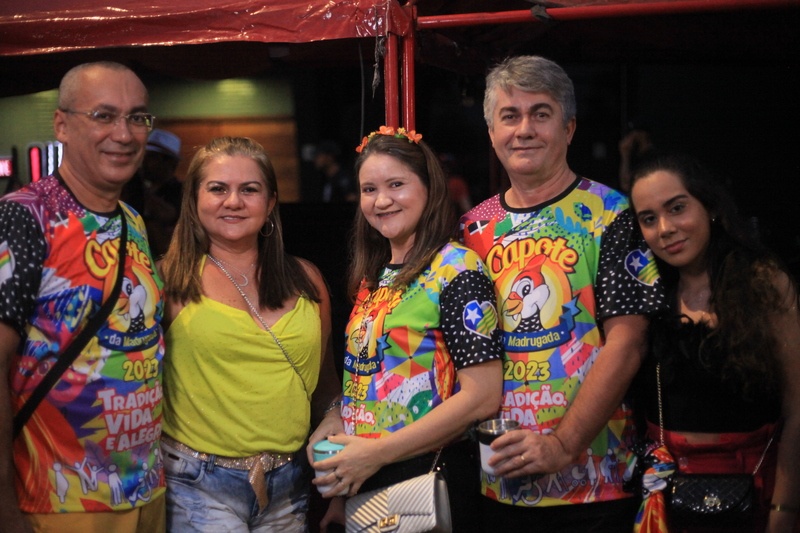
<point>715,500</point>
<point>712,500</point>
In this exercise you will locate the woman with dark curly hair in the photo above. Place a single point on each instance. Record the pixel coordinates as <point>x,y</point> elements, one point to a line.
<point>727,354</point>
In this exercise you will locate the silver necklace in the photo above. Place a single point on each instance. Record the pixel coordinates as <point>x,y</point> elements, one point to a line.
<point>256,314</point>
<point>246,280</point>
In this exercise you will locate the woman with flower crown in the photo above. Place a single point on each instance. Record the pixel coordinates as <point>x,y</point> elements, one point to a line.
<point>423,351</point>
<point>247,344</point>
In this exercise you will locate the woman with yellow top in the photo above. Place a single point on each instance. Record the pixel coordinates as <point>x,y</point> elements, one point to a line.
<point>248,335</point>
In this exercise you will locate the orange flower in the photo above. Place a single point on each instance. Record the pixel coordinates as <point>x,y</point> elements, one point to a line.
<point>364,143</point>
<point>412,136</point>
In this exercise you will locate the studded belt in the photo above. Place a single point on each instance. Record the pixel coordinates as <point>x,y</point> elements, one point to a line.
<point>269,461</point>
<point>257,465</point>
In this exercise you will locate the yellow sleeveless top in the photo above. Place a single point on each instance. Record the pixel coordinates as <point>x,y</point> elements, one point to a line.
<point>228,388</point>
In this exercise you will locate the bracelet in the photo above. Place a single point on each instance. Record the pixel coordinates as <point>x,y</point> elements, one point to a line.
<point>334,404</point>
<point>782,508</point>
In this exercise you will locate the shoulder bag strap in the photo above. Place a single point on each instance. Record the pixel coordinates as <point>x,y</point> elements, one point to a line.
<point>436,460</point>
<point>254,311</point>
<point>74,349</point>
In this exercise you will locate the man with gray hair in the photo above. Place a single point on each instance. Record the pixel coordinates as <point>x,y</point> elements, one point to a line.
<point>81,343</point>
<point>574,287</point>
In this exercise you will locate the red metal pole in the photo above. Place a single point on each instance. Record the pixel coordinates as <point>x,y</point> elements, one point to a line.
<point>474,19</point>
<point>599,11</point>
<point>664,8</point>
<point>409,76</point>
<point>391,79</point>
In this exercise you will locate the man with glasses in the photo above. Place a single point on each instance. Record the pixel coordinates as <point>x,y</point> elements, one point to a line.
<point>87,458</point>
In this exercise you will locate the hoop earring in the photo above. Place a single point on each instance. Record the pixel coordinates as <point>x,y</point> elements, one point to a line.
<point>271,228</point>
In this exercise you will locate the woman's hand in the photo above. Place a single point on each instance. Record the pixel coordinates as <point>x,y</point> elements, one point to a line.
<point>359,460</point>
<point>331,425</point>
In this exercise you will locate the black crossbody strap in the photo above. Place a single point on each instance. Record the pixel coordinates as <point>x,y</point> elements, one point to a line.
<point>78,343</point>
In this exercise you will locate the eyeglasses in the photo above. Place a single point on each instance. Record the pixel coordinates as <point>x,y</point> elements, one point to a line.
<point>136,121</point>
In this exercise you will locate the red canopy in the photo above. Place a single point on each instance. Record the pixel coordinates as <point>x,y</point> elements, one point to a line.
<point>40,39</point>
<point>47,26</point>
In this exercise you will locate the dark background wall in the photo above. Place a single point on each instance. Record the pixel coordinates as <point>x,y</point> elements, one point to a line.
<point>738,118</point>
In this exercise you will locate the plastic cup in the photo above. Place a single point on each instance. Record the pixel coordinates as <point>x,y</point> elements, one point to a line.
<point>488,431</point>
<point>325,449</point>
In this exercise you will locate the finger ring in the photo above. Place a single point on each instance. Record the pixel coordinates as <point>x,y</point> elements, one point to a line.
<point>522,458</point>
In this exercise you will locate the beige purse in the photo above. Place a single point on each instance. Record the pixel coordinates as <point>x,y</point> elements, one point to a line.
<point>416,505</point>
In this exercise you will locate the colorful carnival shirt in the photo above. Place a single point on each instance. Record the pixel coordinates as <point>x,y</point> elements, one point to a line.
<point>93,442</point>
<point>559,269</point>
<point>404,347</point>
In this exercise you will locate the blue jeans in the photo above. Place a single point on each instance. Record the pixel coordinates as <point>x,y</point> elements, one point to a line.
<point>204,497</point>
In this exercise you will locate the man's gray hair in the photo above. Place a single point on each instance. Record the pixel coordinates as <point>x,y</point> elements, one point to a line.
<point>533,74</point>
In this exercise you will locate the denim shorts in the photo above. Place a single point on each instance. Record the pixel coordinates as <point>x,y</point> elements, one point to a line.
<point>205,497</point>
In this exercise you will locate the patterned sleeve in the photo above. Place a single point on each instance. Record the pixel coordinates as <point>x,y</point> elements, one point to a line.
<point>22,252</point>
<point>469,320</point>
<point>627,279</point>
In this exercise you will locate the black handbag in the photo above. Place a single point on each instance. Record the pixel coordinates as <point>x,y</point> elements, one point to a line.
<point>711,500</point>
<point>714,500</point>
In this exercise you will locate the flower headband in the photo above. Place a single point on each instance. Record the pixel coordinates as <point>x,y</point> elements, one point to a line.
<point>412,136</point>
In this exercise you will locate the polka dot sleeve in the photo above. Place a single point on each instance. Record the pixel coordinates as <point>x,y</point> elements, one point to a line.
<point>622,288</point>
<point>22,252</point>
<point>469,320</point>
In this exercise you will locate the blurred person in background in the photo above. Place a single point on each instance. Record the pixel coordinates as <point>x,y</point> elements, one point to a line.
<point>457,186</point>
<point>155,191</point>
<point>338,184</point>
